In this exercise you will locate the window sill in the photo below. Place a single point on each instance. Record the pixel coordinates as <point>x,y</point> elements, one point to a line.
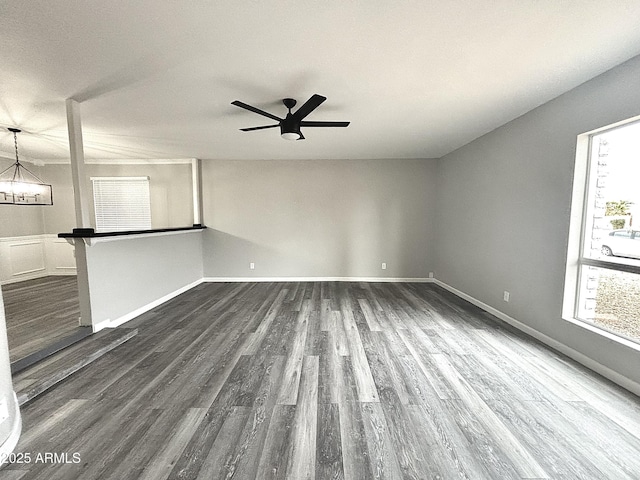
<point>604,333</point>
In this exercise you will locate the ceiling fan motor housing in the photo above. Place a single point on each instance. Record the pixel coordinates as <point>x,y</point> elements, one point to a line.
<point>290,128</point>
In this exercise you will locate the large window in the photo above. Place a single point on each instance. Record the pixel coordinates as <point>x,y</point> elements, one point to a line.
<point>121,203</point>
<point>606,288</point>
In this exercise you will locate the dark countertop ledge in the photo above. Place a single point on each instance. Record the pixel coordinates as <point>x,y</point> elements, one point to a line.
<point>91,233</point>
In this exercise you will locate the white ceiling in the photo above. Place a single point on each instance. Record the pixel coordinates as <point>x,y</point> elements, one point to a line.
<point>416,78</point>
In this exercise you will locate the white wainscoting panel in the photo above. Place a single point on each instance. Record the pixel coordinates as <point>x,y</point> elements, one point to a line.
<point>61,258</point>
<point>34,256</point>
<point>27,257</point>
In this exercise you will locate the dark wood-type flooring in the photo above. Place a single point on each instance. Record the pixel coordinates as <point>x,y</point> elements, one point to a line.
<point>329,381</point>
<point>39,313</point>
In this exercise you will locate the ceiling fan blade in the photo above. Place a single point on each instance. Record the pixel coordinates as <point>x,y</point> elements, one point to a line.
<point>240,104</point>
<point>309,106</point>
<point>324,124</point>
<point>258,128</point>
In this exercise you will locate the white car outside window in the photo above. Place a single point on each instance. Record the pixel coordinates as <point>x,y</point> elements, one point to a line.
<point>622,243</point>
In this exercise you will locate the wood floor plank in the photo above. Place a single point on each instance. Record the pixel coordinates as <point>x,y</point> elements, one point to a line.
<point>416,458</point>
<point>625,414</point>
<point>133,461</point>
<point>277,445</point>
<point>159,466</point>
<point>520,458</point>
<point>331,380</point>
<point>510,349</point>
<point>14,474</point>
<point>424,313</point>
<point>330,370</point>
<point>325,313</point>
<point>246,455</point>
<point>389,305</point>
<point>483,444</point>
<point>428,369</point>
<point>339,334</point>
<point>384,464</point>
<point>451,450</point>
<point>370,316</point>
<point>611,448</point>
<point>389,380</point>
<point>302,461</point>
<point>219,462</point>
<point>355,451</point>
<point>293,367</point>
<point>252,346</point>
<point>265,309</point>
<point>313,341</point>
<point>329,443</point>
<point>366,386</point>
<point>66,429</point>
<point>65,414</point>
<point>278,339</point>
<point>565,459</point>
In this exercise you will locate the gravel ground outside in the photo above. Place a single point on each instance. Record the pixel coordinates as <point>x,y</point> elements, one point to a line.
<point>618,303</point>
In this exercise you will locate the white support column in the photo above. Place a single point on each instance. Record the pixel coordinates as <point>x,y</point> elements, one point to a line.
<point>196,175</point>
<point>81,201</point>
<point>80,193</point>
<point>84,293</point>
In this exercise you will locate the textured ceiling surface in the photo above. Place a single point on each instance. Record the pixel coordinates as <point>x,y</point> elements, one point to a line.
<point>416,78</point>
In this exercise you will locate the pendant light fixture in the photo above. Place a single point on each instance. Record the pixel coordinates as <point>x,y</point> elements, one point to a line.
<point>19,186</point>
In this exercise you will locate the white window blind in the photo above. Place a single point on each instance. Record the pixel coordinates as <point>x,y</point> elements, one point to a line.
<point>121,203</point>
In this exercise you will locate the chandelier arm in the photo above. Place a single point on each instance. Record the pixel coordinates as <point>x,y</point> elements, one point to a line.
<point>22,167</point>
<point>13,165</point>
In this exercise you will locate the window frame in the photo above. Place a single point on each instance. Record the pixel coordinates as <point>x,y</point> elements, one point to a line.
<point>580,222</point>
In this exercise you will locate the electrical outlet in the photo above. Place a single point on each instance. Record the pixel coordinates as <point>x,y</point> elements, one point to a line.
<point>384,266</point>
<point>252,266</point>
<point>430,274</point>
<point>506,296</point>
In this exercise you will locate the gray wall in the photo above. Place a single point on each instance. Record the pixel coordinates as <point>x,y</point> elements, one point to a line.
<point>129,273</point>
<point>503,211</point>
<point>17,221</point>
<point>59,217</point>
<point>319,218</point>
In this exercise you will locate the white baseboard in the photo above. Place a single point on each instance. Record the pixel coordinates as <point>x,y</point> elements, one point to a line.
<point>39,275</point>
<point>16,429</point>
<point>581,358</point>
<point>139,311</point>
<point>23,278</point>
<point>316,279</point>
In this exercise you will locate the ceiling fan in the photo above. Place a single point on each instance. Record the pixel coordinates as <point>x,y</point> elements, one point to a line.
<point>290,125</point>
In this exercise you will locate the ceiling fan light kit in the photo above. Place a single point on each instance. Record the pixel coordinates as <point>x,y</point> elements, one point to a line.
<point>291,136</point>
<point>20,186</point>
<point>290,125</point>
